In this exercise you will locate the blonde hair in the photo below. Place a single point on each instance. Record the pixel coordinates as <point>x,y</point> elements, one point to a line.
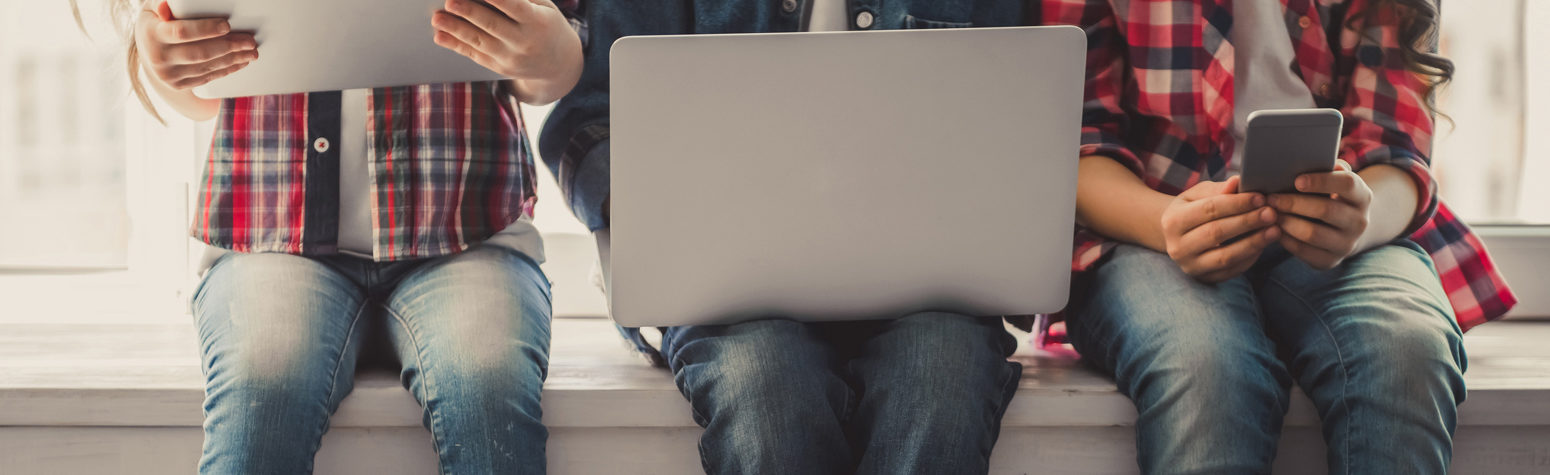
<point>123,14</point>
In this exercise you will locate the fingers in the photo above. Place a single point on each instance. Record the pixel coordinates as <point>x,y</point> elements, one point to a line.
<point>1317,235</point>
<point>480,16</point>
<point>1315,257</point>
<point>1337,213</point>
<point>1344,183</point>
<point>464,32</point>
<point>188,31</point>
<point>1200,212</point>
<point>448,41</point>
<point>1214,233</point>
<point>1233,259</point>
<point>208,49</point>
<point>519,10</point>
<point>201,80</point>
<point>1207,189</point>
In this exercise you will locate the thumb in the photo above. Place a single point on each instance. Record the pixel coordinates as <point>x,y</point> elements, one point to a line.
<point>163,11</point>
<point>1230,186</point>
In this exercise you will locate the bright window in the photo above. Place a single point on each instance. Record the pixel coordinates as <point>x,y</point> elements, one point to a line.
<point>1491,162</point>
<point>62,167</point>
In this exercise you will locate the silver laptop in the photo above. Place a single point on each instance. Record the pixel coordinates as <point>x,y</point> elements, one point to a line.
<point>307,45</point>
<point>843,176</point>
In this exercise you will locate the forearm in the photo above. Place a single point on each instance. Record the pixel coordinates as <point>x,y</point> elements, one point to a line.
<point>1394,201</point>
<point>1115,203</point>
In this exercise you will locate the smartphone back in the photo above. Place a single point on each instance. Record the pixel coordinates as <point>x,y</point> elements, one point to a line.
<point>1282,144</point>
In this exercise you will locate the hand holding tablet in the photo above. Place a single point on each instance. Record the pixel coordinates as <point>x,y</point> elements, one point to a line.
<point>188,53</point>
<point>311,45</point>
<point>516,38</point>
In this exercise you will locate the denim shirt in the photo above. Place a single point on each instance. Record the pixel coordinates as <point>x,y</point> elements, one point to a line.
<point>575,143</point>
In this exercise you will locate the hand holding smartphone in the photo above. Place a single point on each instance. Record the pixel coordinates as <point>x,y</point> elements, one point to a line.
<point>1282,144</point>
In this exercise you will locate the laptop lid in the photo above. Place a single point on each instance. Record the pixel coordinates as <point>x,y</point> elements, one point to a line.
<point>843,176</point>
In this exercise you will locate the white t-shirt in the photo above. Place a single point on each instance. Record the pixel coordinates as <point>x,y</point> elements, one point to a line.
<point>1262,77</point>
<point>828,15</point>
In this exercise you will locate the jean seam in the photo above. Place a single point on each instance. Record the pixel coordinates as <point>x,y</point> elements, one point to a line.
<point>1012,374</point>
<point>1345,371</point>
<point>427,383</point>
<point>333,378</point>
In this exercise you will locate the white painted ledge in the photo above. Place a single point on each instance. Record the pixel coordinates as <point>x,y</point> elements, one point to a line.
<point>148,375</point>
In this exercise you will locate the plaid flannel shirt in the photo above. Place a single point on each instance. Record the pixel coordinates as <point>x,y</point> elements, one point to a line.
<point>1159,99</point>
<point>450,166</point>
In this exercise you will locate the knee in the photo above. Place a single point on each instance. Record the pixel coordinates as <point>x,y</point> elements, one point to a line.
<point>760,377</point>
<point>1410,360</point>
<point>256,391</point>
<point>1206,371</point>
<point>939,362</point>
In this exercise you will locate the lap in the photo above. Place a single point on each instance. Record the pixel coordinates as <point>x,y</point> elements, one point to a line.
<point>1379,306</point>
<point>1138,304</point>
<point>485,302</point>
<point>273,313</point>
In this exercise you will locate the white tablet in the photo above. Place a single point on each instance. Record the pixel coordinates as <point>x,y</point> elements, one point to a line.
<point>326,45</point>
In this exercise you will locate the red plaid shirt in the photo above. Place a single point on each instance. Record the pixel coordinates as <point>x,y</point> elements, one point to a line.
<point>450,167</point>
<point>1159,99</point>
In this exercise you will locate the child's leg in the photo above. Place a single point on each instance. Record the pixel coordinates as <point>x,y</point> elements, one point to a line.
<point>1194,358</point>
<point>1374,344</point>
<point>279,336</point>
<point>933,387</point>
<point>766,393</point>
<point>472,333</point>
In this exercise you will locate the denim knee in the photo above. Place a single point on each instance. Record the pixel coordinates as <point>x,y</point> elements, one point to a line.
<point>764,390</point>
<point>275,394</point>
<point>938,366</point>
<point>1410,362</point>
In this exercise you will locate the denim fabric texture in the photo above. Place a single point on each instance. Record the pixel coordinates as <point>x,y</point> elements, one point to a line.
<point>280,336</point>
<point>1373,344</point>
<point>923,394</point>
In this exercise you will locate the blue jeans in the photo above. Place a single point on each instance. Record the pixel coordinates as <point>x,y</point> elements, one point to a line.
<point>1372,342</point>
<point>280,335</point>
<point>921,394</point>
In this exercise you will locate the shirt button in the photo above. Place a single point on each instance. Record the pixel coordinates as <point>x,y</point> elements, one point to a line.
<point>864,20</point>
<point>1304,22</point>
<point>788,5</point>
<point>321,145</point>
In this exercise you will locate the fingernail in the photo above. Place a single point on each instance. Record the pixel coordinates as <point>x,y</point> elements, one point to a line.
<point>1267,215</point>
<point>224,28</point>
<point>1302,183</point>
